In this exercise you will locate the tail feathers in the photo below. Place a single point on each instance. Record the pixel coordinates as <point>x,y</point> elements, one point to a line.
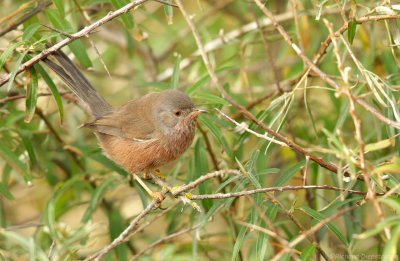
<point>78,83</point>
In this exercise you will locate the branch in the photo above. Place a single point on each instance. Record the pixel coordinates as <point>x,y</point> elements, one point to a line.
<point>27,16</point>
<point>314,229</point>
<point>202,179</point>
<point>22,96</point>
<point>164,239</point>
<point>274,189</point>
<point>82,33</point>
<point>127,232</point>
<point>243,110</point>
<point>231,36</point>
<point>243,126</point>
<point>318,71</point>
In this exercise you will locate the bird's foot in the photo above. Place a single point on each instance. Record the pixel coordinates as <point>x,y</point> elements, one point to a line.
<point>158,197</point>
<point>146,176</point>
<point>159,174</point>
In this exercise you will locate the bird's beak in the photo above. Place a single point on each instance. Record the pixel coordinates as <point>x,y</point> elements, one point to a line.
<point>197,111</point>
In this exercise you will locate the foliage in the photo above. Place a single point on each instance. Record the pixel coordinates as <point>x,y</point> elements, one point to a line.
<point>62,198</point>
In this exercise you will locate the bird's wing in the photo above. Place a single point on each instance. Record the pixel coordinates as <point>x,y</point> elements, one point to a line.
<point>129,121</point>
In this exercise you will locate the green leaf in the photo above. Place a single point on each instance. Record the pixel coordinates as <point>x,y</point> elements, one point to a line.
<point>351,31</point>
<point>53,89</point>
<point>31,95</point>
<point>57,21</point>
<point>217,134</point>
<point>390,248</point>
<point>5,192</point>
<point>26,138</point>
<point>7,52</point>
<point>60,6</point>
<point>239,242</point>
<point>49,216</point>
<point>169,12</point>
<point>393,203</point>
<point>116,226</point>
<point>288,174</point>
<point>175,74</point>
<point>127,18</point>
<point>79,50</point>
<point>97,196</point>
<point>387,222</point>
<point>307,253</point>
<point>201,168</point>
<point>13,160</point>
<point>30,31</point>
<point>250,169</point>
<point>108,163</point>
<point>24,244</point>
<point>14,71</point>
<point>205,78</point>
<point>332,227</point>
<point>210,98</point>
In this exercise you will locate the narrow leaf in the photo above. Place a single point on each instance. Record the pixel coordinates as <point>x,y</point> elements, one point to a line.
<point>288,174</point>
<point>307,253</point>
<point>12,159</point>
<point>127,18</point>
<point>14,71</point>
<point>96,198</point>
<point>169,12</point>
<point>30,31</point>
<point>175,74</point>
<point>332,227</point>
<point>7,52</point>
<point>79,50</point>
<point>351,32</point>
<point>5,192</point>
<point>31,95</point>
<point>53,89</point>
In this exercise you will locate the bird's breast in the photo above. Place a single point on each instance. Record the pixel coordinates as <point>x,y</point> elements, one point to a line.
<point>138,156</point>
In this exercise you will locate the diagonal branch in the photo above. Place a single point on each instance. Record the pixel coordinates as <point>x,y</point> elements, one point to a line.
<point>82,33</point>
<point>295,147</point>
<point>26,17</point>
<point>318,71</point>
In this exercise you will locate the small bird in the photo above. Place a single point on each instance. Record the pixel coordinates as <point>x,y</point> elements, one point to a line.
<point>143,134</point>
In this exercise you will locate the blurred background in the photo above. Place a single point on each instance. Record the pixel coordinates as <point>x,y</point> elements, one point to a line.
<point>62,199</point>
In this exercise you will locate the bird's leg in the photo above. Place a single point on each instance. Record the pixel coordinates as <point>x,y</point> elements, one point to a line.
<point>146,175</point>
<point>158,196</point>
<point>159,174</point>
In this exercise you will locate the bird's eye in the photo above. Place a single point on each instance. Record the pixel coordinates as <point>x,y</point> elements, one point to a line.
<point>178,113</point>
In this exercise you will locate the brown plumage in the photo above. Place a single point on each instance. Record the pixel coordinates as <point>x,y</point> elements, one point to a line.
<point>144,133</point>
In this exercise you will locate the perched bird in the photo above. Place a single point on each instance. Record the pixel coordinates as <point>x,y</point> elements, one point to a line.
<point>141,135</point>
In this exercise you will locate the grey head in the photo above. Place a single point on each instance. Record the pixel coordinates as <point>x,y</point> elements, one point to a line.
<point>173,110</point>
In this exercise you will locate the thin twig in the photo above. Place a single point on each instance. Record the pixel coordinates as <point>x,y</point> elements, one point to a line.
<point>203,178</point>
<point>22,96</point>
<point>127,233</point>
<point>165,239</point>
<point>82,33</point>
<point>290,215</point>
<point>243,126</point>
<point>229,37</point>
<point>314,229</point>
<point>271,234</point>
<point>318,71</point>
<point>274,189</point>
<point>246,113</point>
<point>208,146</point>
<point>26,17</point>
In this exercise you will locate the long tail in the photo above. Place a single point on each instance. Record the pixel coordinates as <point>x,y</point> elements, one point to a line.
<point>78,83</point>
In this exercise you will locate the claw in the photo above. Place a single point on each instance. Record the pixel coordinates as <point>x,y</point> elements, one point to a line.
<point>146,176</point>
<point>158,197</point>
<point>159,174</point>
